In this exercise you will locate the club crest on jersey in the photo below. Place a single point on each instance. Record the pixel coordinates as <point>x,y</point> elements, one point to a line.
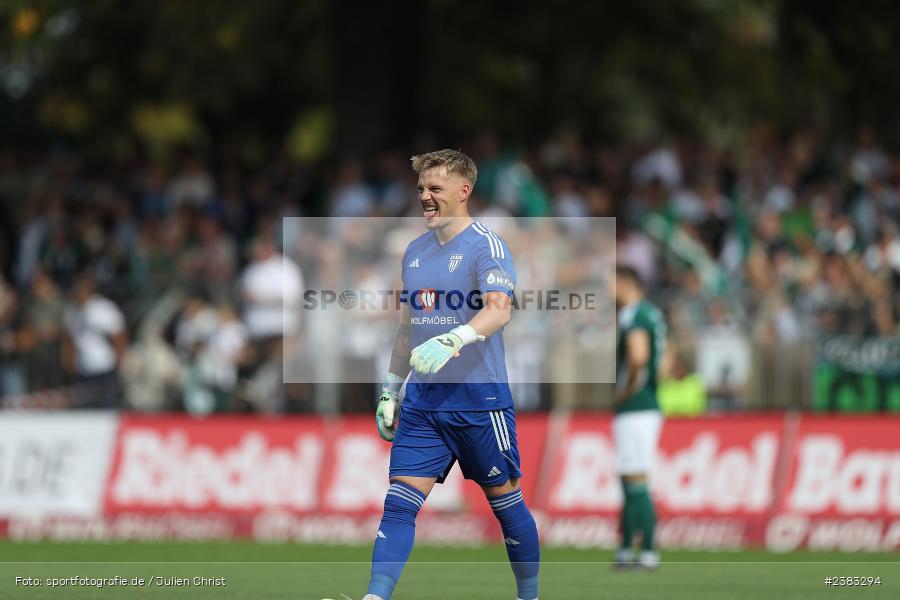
<point>455,259</point>
<point>427,298</point>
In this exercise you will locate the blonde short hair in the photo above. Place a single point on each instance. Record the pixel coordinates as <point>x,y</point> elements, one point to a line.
<point>453,160</point>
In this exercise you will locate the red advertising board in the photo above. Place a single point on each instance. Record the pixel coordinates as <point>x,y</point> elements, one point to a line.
<point>224,464</point>
<point>302,478</point>
<point>712,481</point>
<point>843,486</point>
<point>719,482</point>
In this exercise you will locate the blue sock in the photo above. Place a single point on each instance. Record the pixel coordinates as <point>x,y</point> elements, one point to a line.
<point>395,537</point>
<point>521,537</point>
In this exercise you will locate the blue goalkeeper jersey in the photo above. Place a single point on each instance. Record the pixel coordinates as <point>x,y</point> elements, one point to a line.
<point>443,285</point>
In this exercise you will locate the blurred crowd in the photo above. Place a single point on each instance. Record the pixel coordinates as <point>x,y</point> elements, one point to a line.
<point>159,285</point>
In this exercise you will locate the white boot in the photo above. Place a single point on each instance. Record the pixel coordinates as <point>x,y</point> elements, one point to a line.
<point>648,559</point>
<point>624,558</point>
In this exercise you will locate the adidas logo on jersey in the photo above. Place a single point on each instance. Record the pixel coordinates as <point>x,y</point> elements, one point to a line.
<point>494,472</point>
<point>413,264</point>
<point>381,535</point>
<point>511,542</point>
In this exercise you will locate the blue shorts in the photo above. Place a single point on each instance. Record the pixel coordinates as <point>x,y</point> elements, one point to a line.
<point>427,443</point>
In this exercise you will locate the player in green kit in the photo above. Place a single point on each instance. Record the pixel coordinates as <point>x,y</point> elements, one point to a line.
<point>638,420</point>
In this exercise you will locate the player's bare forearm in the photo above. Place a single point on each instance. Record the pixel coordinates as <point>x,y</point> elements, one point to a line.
<point>402,349</point>
<point>637,345</point>
<point>631,383</point>
<point>495,313</point>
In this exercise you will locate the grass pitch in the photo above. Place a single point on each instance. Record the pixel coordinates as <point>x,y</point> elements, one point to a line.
<point>236,570</point>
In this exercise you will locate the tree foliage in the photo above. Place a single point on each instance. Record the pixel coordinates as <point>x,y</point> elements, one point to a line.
<point>248,73</point>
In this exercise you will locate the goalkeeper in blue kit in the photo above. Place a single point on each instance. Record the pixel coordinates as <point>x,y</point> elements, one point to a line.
<point>458,280</point>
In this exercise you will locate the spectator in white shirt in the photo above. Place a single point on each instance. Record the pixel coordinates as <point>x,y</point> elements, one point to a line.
<point>94,346</point>
<point>271,286</point>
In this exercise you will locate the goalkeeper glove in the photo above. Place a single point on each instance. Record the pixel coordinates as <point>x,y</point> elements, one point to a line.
<point>388,412</point>
<point>431,356</point>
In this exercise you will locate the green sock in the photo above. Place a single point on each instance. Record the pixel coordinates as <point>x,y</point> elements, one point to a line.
<point>649,523</point>
<point>643,514</point>
<point>627,518</point>
<point>647,517</point>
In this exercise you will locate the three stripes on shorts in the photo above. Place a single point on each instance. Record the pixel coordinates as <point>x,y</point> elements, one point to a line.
<point>501,433</point>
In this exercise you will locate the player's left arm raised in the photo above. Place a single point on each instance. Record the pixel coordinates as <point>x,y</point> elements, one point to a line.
<point>431,356</point>
<point>494,315</point>
<point>496,278</point>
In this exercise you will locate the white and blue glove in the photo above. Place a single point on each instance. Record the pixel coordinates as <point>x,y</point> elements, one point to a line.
<point>388,412</point>
<point>431,356</point>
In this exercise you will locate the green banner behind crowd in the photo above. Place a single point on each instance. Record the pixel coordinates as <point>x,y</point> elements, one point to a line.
<point>854,374</point>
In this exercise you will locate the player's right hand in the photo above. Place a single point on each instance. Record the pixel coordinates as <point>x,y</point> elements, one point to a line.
<point>387,415</point>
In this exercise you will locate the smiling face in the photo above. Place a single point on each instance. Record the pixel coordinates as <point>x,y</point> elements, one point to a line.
<point>444,196</point>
